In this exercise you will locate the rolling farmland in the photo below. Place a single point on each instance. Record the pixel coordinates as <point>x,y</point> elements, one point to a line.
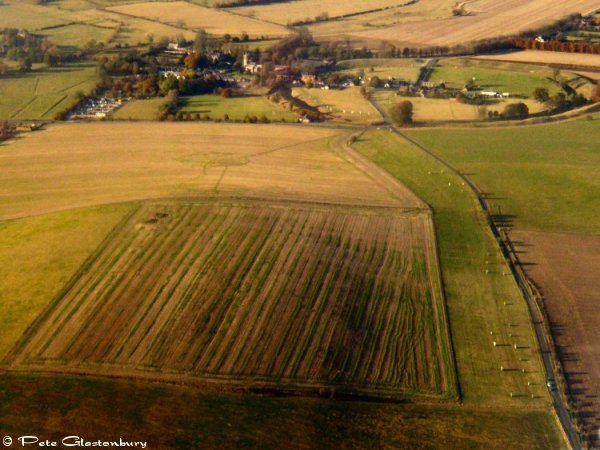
<point>281,295</point>
<point>67,166</point>
<point>306,10</point>
<point>416,25</point>
<point>213,21</point>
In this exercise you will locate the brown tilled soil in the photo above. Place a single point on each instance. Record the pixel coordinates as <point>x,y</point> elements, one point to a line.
<point>566,268</point>
<point>254,293</point>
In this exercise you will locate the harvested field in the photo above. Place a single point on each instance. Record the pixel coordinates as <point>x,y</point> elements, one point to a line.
<point>19,14</point>
<point>69,166</point>
<point>213,21</point>
<point>566,268</point>
<point>283,295</point>
<point>307,10</point>
<point>488,19</point>
<point>536,57</point>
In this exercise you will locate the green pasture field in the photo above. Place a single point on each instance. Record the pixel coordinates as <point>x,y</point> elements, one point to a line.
<point>517,79</point>
<point>404,69</point>
<point>181,418</point>
<point>78,35</point>
<point>475,298</point>
<point>41,93</point>
<point>237,108</point>
<point>545,177</point>
<point>49,250</point>
<point>143,109</point>
<point>32,17</point>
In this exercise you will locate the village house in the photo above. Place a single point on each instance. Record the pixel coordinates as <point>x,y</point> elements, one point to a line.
<point>174,48</point>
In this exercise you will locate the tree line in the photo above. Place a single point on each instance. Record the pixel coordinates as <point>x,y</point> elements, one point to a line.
<point>592,48</point>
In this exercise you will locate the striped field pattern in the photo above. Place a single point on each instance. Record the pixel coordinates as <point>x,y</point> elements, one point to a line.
<point>287,294</point>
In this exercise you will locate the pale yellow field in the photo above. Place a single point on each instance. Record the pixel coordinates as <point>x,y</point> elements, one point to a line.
<point>418,12</point>
<point>75,165</point>
<point>307,10</point>
<point>442,110</point>
<point>213,21</point>
<point>489,18</point>
<point>537,56</point>
<point>347,104</point>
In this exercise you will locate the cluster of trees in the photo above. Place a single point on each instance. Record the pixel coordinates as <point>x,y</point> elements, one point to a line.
<point>26,48</point>
<point>560,101</point>
<point>133,75</point>
<point>402,113</point>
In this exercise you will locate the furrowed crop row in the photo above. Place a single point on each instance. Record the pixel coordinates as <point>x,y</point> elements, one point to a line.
<point>290,360</point>
<point>245,257</point>
<point>335,316</point>
<point>194,319</point>
<point>143,332</point>
<point>199,323</point>
<point>257,357</point>
<point>245,304</point>
<point>160,343</point>
<point>125,286</point>
<point>231,291</point>
<point>242,338</point>
<point>122,314</point>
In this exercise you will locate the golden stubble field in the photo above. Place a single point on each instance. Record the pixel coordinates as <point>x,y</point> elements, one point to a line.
<point>77,165</point>
<point>213,21</point>
<point>416,25</point>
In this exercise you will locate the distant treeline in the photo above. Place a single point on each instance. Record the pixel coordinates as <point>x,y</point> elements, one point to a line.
<point>558,46</point>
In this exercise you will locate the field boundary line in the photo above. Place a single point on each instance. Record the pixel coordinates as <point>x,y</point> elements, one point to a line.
<point>238,384</point>
<point>378,175</point>
<point>451,372</point>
